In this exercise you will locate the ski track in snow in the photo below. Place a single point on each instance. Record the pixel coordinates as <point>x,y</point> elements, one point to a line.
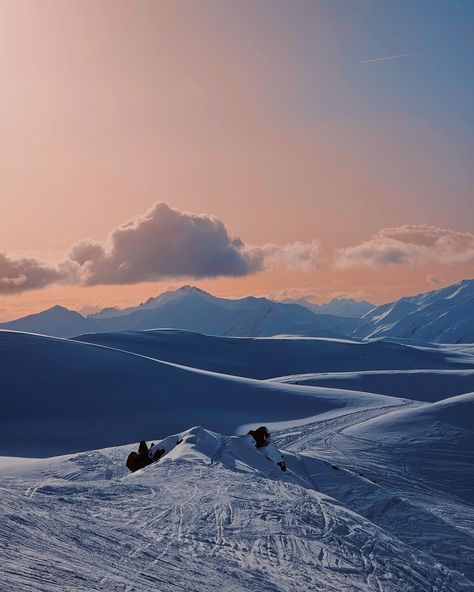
<point>82,524</point>
<point>430,506</point>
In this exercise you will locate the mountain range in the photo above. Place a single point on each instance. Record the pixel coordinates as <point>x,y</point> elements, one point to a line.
<point>344,307</point>
<point>439,316</point>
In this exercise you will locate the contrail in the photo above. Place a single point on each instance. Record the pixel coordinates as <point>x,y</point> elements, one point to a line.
<point>395,56</point>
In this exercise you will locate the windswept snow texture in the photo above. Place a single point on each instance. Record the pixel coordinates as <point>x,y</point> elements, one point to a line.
<point>212,514</point>
<point>436,441</point>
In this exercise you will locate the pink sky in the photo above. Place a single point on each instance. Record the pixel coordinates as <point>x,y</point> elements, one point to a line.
<point>265,120</point>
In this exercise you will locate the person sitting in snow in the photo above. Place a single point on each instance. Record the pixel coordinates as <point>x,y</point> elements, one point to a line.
<point>264,442</point>
<point>145,456</point>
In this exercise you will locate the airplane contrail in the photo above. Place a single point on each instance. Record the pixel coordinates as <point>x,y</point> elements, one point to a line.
<point>395,56</point>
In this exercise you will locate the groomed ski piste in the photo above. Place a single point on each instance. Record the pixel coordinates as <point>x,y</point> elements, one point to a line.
<point>378,493</point>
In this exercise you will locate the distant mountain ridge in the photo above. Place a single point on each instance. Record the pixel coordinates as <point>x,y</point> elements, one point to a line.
<point>344,307</point>
<point>56,321</point>
<point>192,309</point>
<point>439,316</point>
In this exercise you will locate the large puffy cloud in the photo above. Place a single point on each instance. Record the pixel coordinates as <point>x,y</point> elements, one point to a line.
<point>165,243</point>
<point>160,244</point>
<point>27,273</point>
<point>410,244</point>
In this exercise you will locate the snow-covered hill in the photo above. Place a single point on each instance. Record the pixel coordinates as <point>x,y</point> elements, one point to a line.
<point>277,356</point>
<point>440,316</point>
<point>214,513</point>
<point>59,395</point>
<point>420,385</point>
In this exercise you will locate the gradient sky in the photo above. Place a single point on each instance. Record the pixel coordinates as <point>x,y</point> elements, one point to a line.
<point>324,121</point>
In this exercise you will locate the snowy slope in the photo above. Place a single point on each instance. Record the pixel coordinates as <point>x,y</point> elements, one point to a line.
<point>449,420</point>
<point>419,385</point>
<point>56,321</point>
<point>276,356</point>
<point>59,395</point>
<point>378,494</point>
<point>443,316</point>
<point>210,515</point>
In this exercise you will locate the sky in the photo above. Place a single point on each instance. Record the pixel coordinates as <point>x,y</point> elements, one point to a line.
<point>311,149</point>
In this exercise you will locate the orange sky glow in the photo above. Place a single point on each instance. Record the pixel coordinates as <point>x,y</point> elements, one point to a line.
<point>263,115</point>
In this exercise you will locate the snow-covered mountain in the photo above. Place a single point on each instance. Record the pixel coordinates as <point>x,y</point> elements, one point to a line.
<point>344,307</point>
<point>195,310</point>
<point>56,321</point>
<point>440,316</point>
<point>192,309</point>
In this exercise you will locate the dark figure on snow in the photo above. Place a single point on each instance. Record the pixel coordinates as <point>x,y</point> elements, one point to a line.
<point>264,441</point>
<point>145,456</point>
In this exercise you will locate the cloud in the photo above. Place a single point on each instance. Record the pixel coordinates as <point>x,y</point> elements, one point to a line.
<point>166,243</point>
<point>163,243</point>
<point>306,293</point>
<point>27,273</point>
<point>410,245</point>
<point>432,279</point>
<point>297,255</point>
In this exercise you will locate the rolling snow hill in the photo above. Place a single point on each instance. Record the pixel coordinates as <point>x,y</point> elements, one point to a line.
<point>265,358</point>
<point>428,385</point>
<point>59,396</point>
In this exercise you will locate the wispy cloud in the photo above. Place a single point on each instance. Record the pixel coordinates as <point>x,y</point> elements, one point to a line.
<point>410,244</point>
<point>396,56</point>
